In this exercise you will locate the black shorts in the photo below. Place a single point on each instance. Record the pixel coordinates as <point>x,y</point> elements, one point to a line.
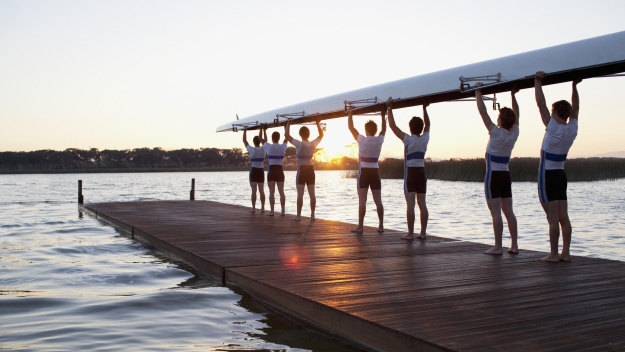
<point>275,173</point>
<point>305,175</point>
<point>257,174</point>
<point>415,180</point>
<point>498,184</point>
<point>369,177</point>
<point>552,185</point>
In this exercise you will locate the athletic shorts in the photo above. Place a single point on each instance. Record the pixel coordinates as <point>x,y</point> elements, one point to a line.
<point>497,184</point>
<point>553,184</point>
<point>275,173</point>
<point>415,180</point>
<point>305,175</point>
<point>257,174</point>
<point>369,177</point>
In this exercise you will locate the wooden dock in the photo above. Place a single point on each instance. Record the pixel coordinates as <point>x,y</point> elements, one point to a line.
<point>380,293</point>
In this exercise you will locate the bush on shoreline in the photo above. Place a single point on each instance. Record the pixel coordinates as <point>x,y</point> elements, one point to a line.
<point>521,169</point>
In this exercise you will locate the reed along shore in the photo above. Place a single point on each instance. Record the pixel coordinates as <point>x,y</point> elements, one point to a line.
<point>521,169</point>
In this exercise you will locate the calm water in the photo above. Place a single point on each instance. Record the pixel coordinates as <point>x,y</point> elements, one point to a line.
<point>69,282</point>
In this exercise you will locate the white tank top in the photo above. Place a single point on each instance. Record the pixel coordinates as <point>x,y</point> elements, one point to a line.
<point>557,142</point>
<point>369,149</point>
<point>415,148</point>
<point>257,156</point>
<point>275,152</point>
<point>499,148</point>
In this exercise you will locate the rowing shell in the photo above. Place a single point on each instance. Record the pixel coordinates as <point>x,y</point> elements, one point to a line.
<point>594,57</point>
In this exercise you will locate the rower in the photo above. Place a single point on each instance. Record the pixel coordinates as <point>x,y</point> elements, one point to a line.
<point>275,155</point>
<point>369,148</point>
<point>257,174</point>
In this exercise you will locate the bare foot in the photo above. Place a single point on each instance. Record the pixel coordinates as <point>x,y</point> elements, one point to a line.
<point>553,258</point>
<point>513,250</point>
<point>565,258</point>
<point>297,218</point>
<point>494,251</point>
<point>283,213</point>
<point>312,217</point>
<point>270,213</point>
<point>253,211</point>
<point>381,229</point>
<point>262,210</point>
<point>358,230</point>
<point>421,236</point>
<point>407,237</point>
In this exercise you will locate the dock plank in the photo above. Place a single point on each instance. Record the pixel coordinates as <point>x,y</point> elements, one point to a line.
<point>381,293</point>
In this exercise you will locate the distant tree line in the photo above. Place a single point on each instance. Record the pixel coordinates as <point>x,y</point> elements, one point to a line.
<point>144,159</point>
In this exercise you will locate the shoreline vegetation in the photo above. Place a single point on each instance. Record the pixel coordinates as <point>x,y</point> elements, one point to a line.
<point>213,159</point>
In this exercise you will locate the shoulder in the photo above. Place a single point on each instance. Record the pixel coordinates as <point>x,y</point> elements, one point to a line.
<point>296,142</point>
<point>361,138</point>
<point>249,148</point>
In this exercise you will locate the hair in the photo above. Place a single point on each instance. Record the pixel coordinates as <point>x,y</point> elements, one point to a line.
<point>371,127</point>
<point>304,132</point>
<point>275,137</point>
<point>416,125</point>
<point>508,118</point>
<point>562,108</point>
<point>256,140</point>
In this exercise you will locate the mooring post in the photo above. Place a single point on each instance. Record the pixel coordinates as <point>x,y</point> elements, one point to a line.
<point>192,197</point>
<point>80,198</point>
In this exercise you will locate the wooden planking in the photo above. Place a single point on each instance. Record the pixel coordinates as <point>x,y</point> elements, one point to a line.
<point>382,293</point>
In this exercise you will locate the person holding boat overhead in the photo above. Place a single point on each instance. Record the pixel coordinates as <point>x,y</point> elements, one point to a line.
<point>497,182</point>
<point>257,170</point>
<point>304,150</point>
<point>552,182</point>
<point>275,175</point>
<point>415,181</point>
<point>369,148</point>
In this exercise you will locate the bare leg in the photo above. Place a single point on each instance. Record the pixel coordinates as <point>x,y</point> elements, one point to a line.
<point>567,230</point>
<point>362,209</point>
<point>272,198</point>
<point>282,197</point>
<point>423,209</point>
<point>377,198</point>
<point>410,201</point>
<point>261,189</point>
<point>300,202</point>
<point>253,185</point>
<point>313,201</point>
<point>551,209</point>
<point>506,207</point>
<point>494,205</point>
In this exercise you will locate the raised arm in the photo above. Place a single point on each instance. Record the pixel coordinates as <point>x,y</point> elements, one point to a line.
<point>260,134</point>
<point>350,124</point>
<point>426,118</point>
<point>545,115</point>
<point>319,129</point>
<point>515,105</point>
<point>575,99</point>
<point>482,108</point>
<point>287,128</point>
<point>383,114</point>
<point>391,120</point>
<point>245,137</point>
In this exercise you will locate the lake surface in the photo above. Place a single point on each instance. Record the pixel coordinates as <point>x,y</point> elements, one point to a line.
<point>70,282</point>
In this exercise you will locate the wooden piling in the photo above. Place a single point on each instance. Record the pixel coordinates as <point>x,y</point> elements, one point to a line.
<point>80,197</point>
<point>192,196</point>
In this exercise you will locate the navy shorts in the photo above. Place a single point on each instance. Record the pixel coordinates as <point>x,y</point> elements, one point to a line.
<point>498,185</point>
<point>369,177</point>
<point>257,174</point>
<point>552,186</point>
<point>305,175</point>
<point>275,173</point>
<point>415,180</point>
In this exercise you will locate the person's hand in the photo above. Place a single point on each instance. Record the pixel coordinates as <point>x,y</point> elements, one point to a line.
<point>426,104</point>
<point>539,75</point>
<point>265,127</point>
<point>514,90</point>
<point>389,103</point>
<point>576,81</point>
<point>317,121</point>
<point>478,85</point>
<point>349,112</point>
<point>288,123</point>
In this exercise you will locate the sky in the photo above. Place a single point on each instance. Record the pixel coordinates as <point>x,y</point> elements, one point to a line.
<point>131,74</point>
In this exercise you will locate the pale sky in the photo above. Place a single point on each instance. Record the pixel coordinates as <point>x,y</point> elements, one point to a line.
<point>129,74</point>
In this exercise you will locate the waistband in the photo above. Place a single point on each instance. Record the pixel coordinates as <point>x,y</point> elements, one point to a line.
<point>275,157</point>
<point>498,159</point>
<point>554,157</point>
<point>415,155</point>
<point>257,159</point>
<point>368,160</point>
